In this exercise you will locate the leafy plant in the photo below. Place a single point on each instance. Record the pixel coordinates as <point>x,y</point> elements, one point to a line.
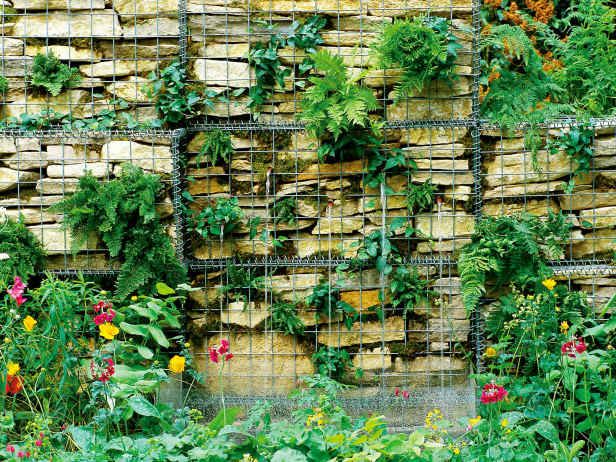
<point>420,198</point>
<point>577,143</point>
<point>219,219</point>
<point>408,289</point>
<point>269,71</point>
<point>4,84</point>
<point>325,299</point>
<point>335,107</point>
<point>217,145</point>
<point>285,210</point>
<point>50,74</point>
<point>423,47</point>
<point>331,362</point>
<point>242,284</point>
<point>175,100</point>
<point>285,318</point>
<point>21,254</point>
<point>510,250</point>
<point>122,213</point>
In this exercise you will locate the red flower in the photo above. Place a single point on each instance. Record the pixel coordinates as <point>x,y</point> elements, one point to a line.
<point>14,385</point>
<point>102,306</point>
<point>17,291</point>
<point>406,394</point>
<point>573,347</point>
<point>492,393</point>
<point>105,371</point>
<point>10,448</point>
<point>220,352</point>
<point>397,392</point>
<point>105,313</point>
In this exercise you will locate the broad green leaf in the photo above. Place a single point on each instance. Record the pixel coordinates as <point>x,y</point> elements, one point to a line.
<point>134,329</point>
<point>288,455</point>
<point>142,406</point>
<point>164,289</point>
<point>158,335</point>
<point>145,352</point>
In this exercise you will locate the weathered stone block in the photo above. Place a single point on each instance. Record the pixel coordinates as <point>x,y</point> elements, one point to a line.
<point>96,169</point>
<point>9,178</point>
<point>213,72</point>
<point>447,225</point>
<point>101,23</point>
<point>392,329</point>
<point>118,68</point>
<point>150,157</point>
<point>44,5</point>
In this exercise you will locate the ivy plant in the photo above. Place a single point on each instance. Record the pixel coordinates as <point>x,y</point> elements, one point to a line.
<point>332,362</point>
<point>285,318</point>
<point>52,76</point>
<point>424,48</point>
<point>122,213</point>
<point>325,299</point>
<point>408,289</point>
<point>577,143</point>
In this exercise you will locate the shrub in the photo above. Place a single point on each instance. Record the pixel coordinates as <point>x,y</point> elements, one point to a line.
<point>331,362</point>
<point>50,74</point>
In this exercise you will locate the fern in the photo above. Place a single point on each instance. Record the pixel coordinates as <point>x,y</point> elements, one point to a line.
<point>22,253</point>
<point>51,75</point>
<point>510,250</point>
<point>424,48</point>
<point>217,145</point>
<point>122,213</point>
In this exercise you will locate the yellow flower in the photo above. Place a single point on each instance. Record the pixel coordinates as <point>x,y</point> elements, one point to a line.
<point>474,421</point>
<point>177,364</point>
<point>549,284</point>
<point>610,347</point>
<point>456,451</point>
<point>29,323</point>
<point>103,292</point>
<point>317,418</point>
<point>12,368</point>
<point>490,352</point>
<point>7,340</point>
<point>108,330</point>
<point>564,327</point>
<point>504,423</point>
<point>187,345</point>
<point>134,298</point>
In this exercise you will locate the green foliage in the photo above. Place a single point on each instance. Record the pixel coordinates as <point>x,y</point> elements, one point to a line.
<point>217,145</point>
<point>419,198</point>
<point>218,219</point>
<point>336,106</point>
<point>285,318</point>
<point>512,250</point>
<point>408,289</point>
<point>588,57</point>
<point>242,284</point>
<point>21,254</point>
<point>122,213</point>
<point>424,48</point>
<point>175,100</point>
<point>331,362</point>
<point>325,299</point>
<point>577,143</point>
<point>51,75</point>
<point>269,71</point>
<point>4,85</point>
<point>285,210</point>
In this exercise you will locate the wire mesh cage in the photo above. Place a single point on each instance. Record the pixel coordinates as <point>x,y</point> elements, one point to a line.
<point>106,50</point>
<point>254,56</point>
<point>39,170</point>
<point>285,322</point>
<point>569,170</point>
<point>273,197</point>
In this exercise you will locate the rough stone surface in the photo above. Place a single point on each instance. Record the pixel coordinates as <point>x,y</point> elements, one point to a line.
<point>154,158</point>
<point>99,24</point>
<point>9,178</point>
<point>365,333</point>
<point>223,73</point>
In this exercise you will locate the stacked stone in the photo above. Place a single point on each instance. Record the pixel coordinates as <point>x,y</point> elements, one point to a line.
<point>113,44</point>
<point>222,32</point>
<point>441,155</point>
<point>512,183</point>
<point>36,173</point>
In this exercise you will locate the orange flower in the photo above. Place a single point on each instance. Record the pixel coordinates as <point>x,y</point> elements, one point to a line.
<point>14,384</point>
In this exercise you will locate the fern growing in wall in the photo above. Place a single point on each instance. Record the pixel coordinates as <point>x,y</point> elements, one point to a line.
<point>51,75</point>
<point>122,213</point>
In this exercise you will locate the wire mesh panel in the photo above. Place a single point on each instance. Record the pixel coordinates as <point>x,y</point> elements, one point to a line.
<point>570,169</point>
<point>284,322</point>
<point>273,197</point>
<point>106,51</point>
<point>39,170</point>
<point>255,56</point>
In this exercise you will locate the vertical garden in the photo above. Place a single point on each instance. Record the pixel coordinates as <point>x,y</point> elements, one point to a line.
<point>291,230</point>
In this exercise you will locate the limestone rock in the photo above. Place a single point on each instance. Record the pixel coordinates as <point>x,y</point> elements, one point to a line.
<point>318,170</point>
<point>518,168</point>
<point>70,101</point>
<point>328,7</point>
<point>430,364</point>
<point>605,146</point>
<point>11,47</point>
<point>210,250</point>
<point>392,329</point>
<point>16,66</point>
<point>96,169</point>
<point>163,27</point>
<point>377,359</point>
<point>595,243</point>
<point>207,186</point>
<point>532,206</point>
<point>263,364</point>
<point>442,246</point>
<point>447,226</point>
<point>101,23</point>
<point>515,191</point>
<point>430,136</point>
<point>51,186</point>
<point>56,240</point>
<point>363,300</point>
<point>602,217</point>
<point>31,216</point>
<point>248,314</point>
<point>155,158</point>
<point>586,198</point>
<point>66,53</point>
<point>131,89</point>
<point>234,108</point>
<point>430,109</point>
<point>145,8</point>
<point>435,151</point>
<point>211,72</point>
<point>9,178</point>
<point>118,68</point>
<point>9,145</point>
<point>338,225</point>
<point>405,8</point>
<point>307,246</point>
<point>44,5</point>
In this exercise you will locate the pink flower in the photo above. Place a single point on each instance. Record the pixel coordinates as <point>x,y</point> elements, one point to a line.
<point>17,291</point>
<point>397,392</point>
<point>220,352</point>
<point>406,394</point>
<point>101,373</point>
<point>21,454</point>
<point>38,443</point>
<point>10,448</point>
<point>573,347</point>
<point>105,313</point>
<point>493,393</point>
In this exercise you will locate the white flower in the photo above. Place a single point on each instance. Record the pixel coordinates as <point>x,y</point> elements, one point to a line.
<point>4,256</point>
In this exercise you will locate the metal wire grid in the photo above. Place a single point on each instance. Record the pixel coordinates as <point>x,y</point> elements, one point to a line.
<point>517,179</point>
<point>220,38</point>
<point>113,46</point>
<point>39,169</point>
